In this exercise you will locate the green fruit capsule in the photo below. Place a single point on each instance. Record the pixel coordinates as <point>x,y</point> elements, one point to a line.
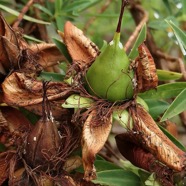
<point>109,76</point>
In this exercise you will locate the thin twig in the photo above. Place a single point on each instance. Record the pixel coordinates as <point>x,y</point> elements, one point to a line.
<point>90,21</point>
<point>22,13</point>
<point>138,28</point>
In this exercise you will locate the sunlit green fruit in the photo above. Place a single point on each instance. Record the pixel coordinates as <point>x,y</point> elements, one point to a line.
<point>109,76</point>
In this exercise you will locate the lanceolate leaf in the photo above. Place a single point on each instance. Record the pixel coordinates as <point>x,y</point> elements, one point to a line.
<point>141,38</point>
<point>117,177</point>
<point>180,36</point>
<point>177,106</point>
<point>157,107</point>
<point>63,49</point>
<point>165,91</point>
<point>164,75</point>
<point>28,18</point>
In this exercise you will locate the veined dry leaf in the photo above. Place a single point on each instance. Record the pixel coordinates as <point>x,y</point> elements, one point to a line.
<point>95,134</point>
<point>152,138</point>
<point>20,90</point>
<point>82,50</point>
<point>5,158</point>
<point>146,70</point>
<point>7,33</point>
<point>48,54</point>
<point>14,126</point>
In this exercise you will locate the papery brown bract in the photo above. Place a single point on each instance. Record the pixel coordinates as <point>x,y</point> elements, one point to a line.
<point>82,50</point>
<point>5,158</point>
<point>152,138</point>
<point>95,134</point>
<point>146,70</point>
<point>23,91</point>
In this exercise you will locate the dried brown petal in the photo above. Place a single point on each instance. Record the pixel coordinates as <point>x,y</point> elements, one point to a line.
<point>48,54</point>
<point>5,158</point>
<point>95,134</point>
<point>20,90</point>
<point>82,50</point>
<point>155,141</point>
<point>146,70</point>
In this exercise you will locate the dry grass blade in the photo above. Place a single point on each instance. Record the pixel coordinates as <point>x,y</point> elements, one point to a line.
<point>95,134</point>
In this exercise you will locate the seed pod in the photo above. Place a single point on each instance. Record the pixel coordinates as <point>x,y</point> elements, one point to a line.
<point>43,142</point>
<point>109,76</point>
<point>146,70</point>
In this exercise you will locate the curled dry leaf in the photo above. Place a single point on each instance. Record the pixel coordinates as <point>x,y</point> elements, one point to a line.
<point>20,90</point>
<point>142,158</point>
<point>14,126</point>
<point>48,54</point>
<point>152,138</point>
<point>5,158</point>
<point>95,134</point>
<point>146,70</point>
<point>82,50</point>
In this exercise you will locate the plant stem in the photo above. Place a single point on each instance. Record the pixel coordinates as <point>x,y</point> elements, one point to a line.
<point>124,3</point>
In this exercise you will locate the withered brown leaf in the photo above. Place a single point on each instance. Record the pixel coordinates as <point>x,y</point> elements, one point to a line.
<point>82,50</point>
<point>5,158</point>
<point>152,138</point>
<point>95,134</point>
<point>146,70</point>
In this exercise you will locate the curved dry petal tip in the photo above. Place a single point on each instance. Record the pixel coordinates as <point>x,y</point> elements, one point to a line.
<point>95,134</point>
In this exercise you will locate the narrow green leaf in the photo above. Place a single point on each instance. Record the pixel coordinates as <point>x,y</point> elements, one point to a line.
<point>180,36</point>
<point>28,18</point>
<point>51,76</point>
<point>165,91</point>
<point>164,75</point>
<point>76,101</point>
<point>118,177</point>
<point>102,165</point>
<point>140,39</point>
<point>172,138</point>
<point>177,106</point>
<point>43,9</point>
<point>167,4</point>
<point>156,107</point>
<point>32,39</point>
<point>63,49</point>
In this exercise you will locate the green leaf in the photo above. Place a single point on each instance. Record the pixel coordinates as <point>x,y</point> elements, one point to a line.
<point>43,9</point>
<point>63,49</point>
<point>156,107</point>
<point>118,177</point>
<point>76,101</point>
<point>164,91</point>
<point>180,36</point>
<point>177,106</point>
<point>28,18</point>
<point>165,75</point>
<point>172,138</point>
<point>32,39</point>
<point>102,165</point>
<point>51,76</point>
<point>140,39</point>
